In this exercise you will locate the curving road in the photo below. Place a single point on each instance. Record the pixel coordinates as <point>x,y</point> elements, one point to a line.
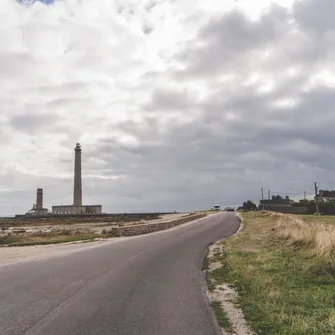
<point>143,285</point>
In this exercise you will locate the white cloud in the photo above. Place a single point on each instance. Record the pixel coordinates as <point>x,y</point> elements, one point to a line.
<point>178,104</point>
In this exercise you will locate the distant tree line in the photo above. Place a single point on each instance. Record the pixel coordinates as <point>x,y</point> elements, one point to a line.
<point>248,206</point>
<point>327,208</point>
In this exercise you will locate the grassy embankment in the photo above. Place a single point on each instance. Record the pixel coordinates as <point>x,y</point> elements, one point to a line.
<point>283,268</point>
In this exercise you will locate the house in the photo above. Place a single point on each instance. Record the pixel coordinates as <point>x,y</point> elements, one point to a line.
<point>276,201</point>
<point>326,196</point>
<point>282,205</point>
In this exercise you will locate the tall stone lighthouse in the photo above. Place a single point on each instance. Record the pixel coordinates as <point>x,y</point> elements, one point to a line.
<point>77,208</point>
<point>77,189</point>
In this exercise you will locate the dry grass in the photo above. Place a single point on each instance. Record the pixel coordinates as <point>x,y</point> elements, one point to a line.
<point>317,236</point>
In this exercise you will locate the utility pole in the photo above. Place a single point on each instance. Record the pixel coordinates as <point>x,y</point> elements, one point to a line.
<point>262,191</point>
<point>305,195</point>
<point>316,198</point>
<point>269,194</point>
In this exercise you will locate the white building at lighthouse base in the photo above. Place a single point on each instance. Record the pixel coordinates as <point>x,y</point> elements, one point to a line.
<point>75,210</point>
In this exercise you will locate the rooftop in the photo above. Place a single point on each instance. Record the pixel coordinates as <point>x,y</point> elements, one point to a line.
<point>325,193</point>
<point>277,200</point>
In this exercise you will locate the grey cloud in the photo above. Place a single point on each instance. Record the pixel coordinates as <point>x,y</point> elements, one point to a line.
<point>169,99</point>
<point>151,5</point>
<point>191,159</point>
<point>317,16</point>
<point>235,44</point>
<point>15,64</point>
<point>236,32</point>
<point>147,29</point>
<point>233,37</point>
<point>34,122</point>
<point>265,145</point>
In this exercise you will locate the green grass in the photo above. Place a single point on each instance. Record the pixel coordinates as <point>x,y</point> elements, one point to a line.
<point>19,241</point>
<point>205,263</point>
<point>221,317</point>
<point>209,280</point>
<point>284,289</point>
<point>320,218</point>
<point>6,240</point>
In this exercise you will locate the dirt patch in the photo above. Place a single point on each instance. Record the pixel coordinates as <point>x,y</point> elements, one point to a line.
<point>10,255</point>
<point>225,296</point>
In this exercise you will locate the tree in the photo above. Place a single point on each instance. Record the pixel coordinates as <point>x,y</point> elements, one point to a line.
<point>305,202</point>
<point>249,206</point>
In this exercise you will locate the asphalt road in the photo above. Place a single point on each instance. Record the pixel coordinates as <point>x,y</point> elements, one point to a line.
<point>144,285</point>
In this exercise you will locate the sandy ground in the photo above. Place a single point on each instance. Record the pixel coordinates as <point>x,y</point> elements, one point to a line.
<point>10,255</point>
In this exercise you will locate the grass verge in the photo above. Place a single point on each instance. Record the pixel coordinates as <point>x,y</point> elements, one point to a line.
<point>282,267</point>
<point>220,314</point>
<point>221,317</point>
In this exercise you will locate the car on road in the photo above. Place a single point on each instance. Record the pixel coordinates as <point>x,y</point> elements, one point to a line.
<point>230,209</point>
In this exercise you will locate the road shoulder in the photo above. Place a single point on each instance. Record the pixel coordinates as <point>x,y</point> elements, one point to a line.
<point>222,296</point>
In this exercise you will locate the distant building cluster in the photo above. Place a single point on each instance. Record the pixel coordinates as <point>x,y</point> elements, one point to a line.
<point>326,196</point>
<point>77,207</point>
<point>323,198</point>
<point>281,204</point>
<point>277,201</point>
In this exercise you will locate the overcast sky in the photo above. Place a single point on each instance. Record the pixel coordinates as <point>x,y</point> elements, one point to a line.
<point>178,104</point>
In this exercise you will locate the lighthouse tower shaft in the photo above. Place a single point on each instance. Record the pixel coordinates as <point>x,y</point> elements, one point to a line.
<point>77,190</point>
